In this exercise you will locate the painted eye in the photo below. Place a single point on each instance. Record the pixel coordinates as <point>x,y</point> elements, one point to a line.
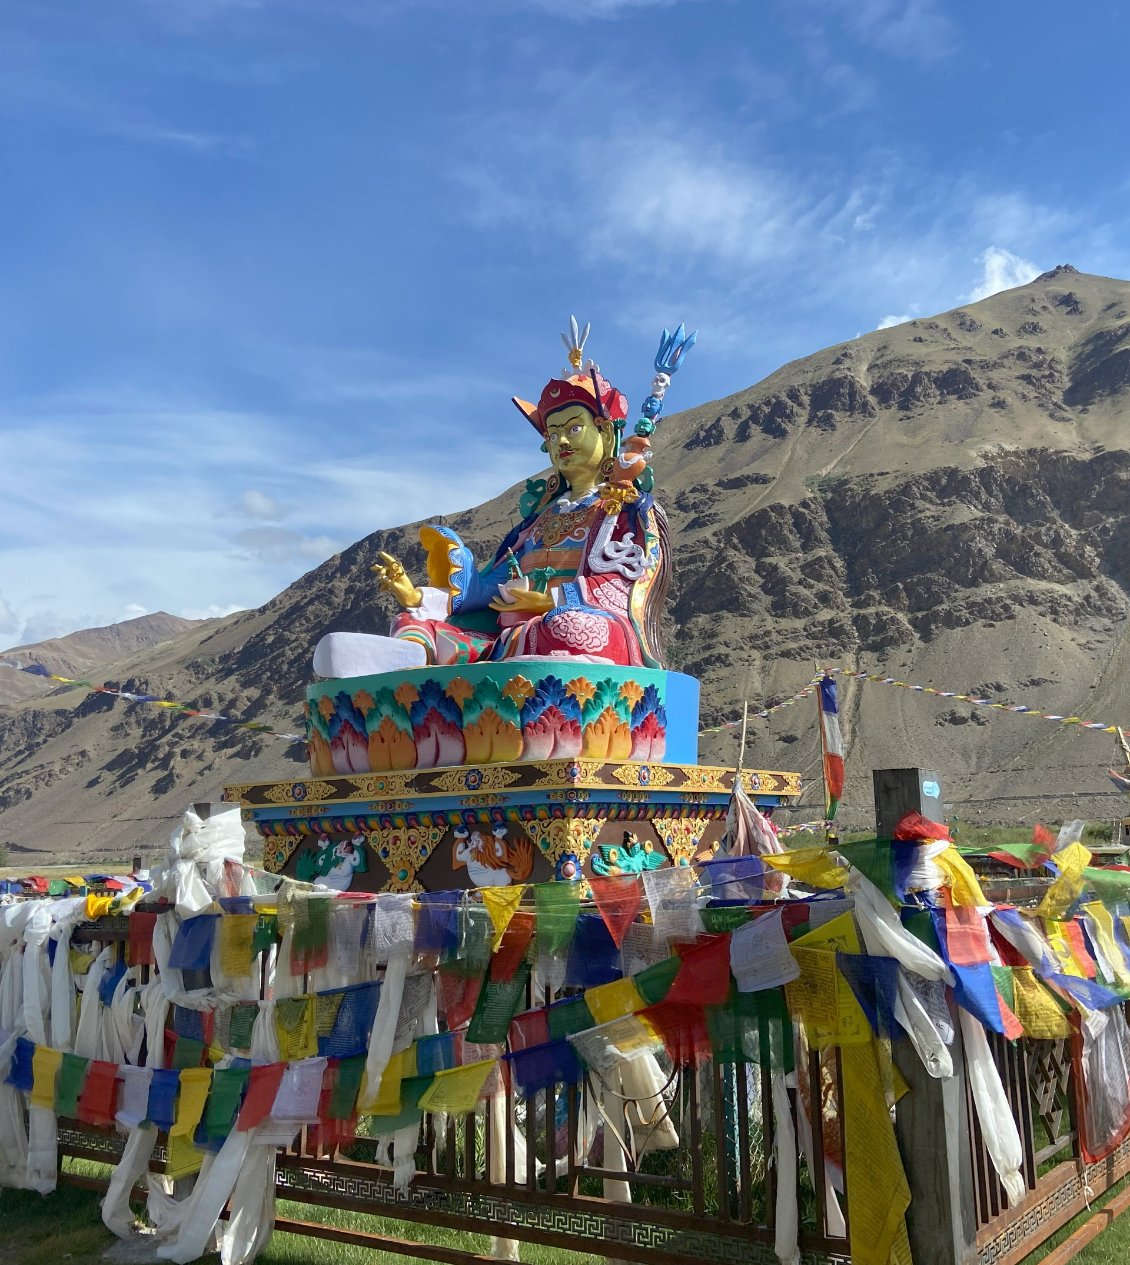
<point>576,430</point>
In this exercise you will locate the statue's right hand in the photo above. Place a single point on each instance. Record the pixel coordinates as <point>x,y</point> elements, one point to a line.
<point>395,580</point>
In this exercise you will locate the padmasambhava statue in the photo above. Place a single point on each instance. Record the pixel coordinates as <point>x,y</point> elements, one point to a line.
<point>585,573</point>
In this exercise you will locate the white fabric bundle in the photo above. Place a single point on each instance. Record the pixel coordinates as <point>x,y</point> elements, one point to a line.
<point>13,1134</point>
<point>42,1149</point>
<point>998,1128</point>
<point>88,1034</point>
<point>885,936</point>
<point>116,1214</point>
<point>37,971</point>
<point>68,914</point>
<point>198,847</point>
<point>388,1012</point>
<point>786,1227</point>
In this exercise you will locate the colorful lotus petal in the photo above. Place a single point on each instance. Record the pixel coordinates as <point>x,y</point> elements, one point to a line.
<point>460,690</point>
<point>518,689</point>
<point>581,689</point>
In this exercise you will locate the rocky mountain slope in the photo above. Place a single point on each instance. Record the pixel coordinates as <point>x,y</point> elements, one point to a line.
<point>79,654</point>
<point>947,502</point>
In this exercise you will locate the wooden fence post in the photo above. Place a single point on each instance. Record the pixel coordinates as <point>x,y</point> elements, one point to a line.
<point>931,1120</point>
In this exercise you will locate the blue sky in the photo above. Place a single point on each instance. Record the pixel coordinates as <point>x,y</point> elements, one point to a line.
<point>269,271</point>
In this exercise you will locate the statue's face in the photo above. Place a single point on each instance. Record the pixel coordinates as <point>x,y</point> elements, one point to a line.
<point>575,444</point>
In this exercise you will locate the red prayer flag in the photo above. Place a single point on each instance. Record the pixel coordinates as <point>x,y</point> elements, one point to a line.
<point>684,1032</point>
<point>966,938</point>
<point>515,941</point>
<point>99,1098</point>
<point>262,1087</point>
<point>141,939</point>
<point>618,899</point>
<point>456,996</point>
<point>704,976</point>
<point>912,827</point>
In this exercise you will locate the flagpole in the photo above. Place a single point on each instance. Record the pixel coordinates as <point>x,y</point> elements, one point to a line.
<point>818,673</point>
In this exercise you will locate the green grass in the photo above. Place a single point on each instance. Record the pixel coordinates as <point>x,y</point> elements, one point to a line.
<point>65,1228</point>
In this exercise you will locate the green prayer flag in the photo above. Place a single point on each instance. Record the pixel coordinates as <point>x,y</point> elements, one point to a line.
<point>266,933</point>
<point>874,859</point>
<point>1006,986</point>
<point>654,982</point>
<point>228,1084</point>
<point>719,918</point>
<point>240,1024</point>
<point>311,924</point>
<point>188,1053</point>
<point>566,1017</point>
<point>476,935</point>
<point>72,1077</point>
<point>343,1096</point>
<point>1110,886</point>
<point>499,1001</point>
<point>557,906</point>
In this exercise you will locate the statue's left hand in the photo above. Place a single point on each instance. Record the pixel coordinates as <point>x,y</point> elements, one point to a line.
<point>528,601</point>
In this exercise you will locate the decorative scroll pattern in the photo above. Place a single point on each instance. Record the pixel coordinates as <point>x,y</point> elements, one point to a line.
<point>297,792</point>
<point>1036,1221</point>
<point>680,836</point>
<point>493,1213</point>
<point>554,839</point>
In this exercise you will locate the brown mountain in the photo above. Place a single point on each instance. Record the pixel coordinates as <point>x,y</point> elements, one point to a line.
<point>88,651</point>
<point>946,502</point>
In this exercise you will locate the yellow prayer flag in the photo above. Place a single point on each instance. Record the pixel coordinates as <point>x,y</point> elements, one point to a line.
<point>1101,926</point>
<point>195,1082</point>
<point>1035,1007</point>
<point>97,906</point>
<point>294,1025</point>
<point>386,1101</point>
<point>500,902</point>
<point>880,1198</point>
<point>813,866</point>
<point>236,932</point>
<point>1068,886</point>
<point>611,1001</point>
<point>1061,949</point>
<point>182,1158</point>
<point>822,1000</point>
<point>45,1064</point>
<point>964,885</point>
<point>457,1090</point>
<point>837,933</point>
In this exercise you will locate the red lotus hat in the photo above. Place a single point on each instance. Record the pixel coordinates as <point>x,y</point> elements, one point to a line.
<point>581,388</point>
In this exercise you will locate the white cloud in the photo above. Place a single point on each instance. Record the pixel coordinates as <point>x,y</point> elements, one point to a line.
<point>46,625</point>
<point>888,322</point>
<point>916,29</point>
<point>134,610</point>
<point>256,504</point>
<point>280,545</point>
<point>1001,270</point>
<point>10,623</point>
<point>212,612</point>
<point>706,205</point>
